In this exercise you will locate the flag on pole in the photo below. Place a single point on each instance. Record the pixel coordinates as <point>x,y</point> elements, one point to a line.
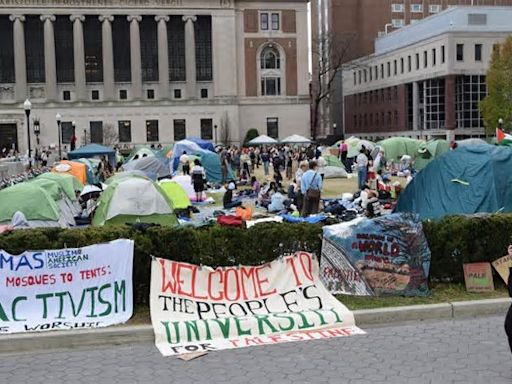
<point>503,138</point>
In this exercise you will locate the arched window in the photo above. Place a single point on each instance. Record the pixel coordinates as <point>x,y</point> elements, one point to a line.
<point>270,71</point>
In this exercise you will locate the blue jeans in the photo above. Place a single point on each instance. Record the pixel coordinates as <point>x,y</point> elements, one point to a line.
<point>361,177</point>
<point>265,167</point>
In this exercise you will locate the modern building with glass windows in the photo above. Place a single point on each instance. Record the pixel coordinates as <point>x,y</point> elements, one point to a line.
<point>426,79</point>
<point>153,71</point>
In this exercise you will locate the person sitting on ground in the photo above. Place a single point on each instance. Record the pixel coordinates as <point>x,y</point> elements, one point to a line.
<point>227,200</point>
<point>292,191</point>
<point>277,202</point>
<point>198,179</point>
<point>255,186</point>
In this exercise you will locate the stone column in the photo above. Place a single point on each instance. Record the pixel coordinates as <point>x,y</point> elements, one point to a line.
<point>190,55</point>
<point>449,100</point>
<point>79,56</point>
<point>50,68</point>
<point>108,56</point>
<point>415,106</point>
<point>163,56</point>
<point>135,56</point>
<point>20,61</point>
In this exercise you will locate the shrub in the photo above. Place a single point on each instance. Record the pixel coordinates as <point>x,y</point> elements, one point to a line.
<point>251,134</point>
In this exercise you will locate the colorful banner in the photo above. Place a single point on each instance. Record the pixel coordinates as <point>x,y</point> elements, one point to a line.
<point>196,309</point>
<point>72,288</point>
<point>388,255</point>
<point>478,277</point>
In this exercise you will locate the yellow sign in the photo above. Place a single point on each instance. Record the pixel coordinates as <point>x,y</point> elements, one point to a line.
<point>502,266</point>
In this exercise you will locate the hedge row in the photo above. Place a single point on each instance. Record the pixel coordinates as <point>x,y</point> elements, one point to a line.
<point>452,241</point>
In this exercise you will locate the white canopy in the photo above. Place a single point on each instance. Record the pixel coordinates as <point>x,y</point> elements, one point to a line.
<point>263,139</point>
<point>296,139</point>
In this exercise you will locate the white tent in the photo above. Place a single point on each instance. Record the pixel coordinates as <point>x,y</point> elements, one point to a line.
<point>296,139</point>
<point>263,139</point>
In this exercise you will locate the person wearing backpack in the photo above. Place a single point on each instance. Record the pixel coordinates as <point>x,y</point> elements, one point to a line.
<point>311,187</point>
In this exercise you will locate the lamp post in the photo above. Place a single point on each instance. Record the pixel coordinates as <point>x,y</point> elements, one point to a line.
<point>85,136</point>
<point>215,128</point>
<point>500,123</point>
<point>58,117</point>
<point>27,106</point>
<point>334,128</point>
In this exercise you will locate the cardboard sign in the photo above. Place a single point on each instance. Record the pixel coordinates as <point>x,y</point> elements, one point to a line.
<point>502,266</point>
<point>72,288</point>
<point>198,309</point>
<point>478,277</point>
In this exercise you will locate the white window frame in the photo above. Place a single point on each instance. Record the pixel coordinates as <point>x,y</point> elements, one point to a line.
<point>434,8</point>
<point>271,73</point>
<point>398,23</point>
<point>397,8</point>
<point>268,21</point>
<point>416,8</point>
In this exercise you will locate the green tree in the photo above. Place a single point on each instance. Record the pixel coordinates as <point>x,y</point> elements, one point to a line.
<point>498,103</point>
<point>251,134</point>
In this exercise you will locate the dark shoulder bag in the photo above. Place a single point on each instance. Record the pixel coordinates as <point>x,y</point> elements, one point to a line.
<point>313,193</point>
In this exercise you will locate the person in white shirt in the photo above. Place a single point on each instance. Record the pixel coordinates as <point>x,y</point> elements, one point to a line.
<point>184,161</point>
<point>198,177</point>
<point>362,169</point>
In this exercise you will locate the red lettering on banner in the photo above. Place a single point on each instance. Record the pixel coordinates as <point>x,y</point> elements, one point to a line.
<point>226,284</point>
<point>248,276</point>
<point>168,285</point>
<point>291,261</point>
<point>210,293</point>
<point>194,286</point>
<point>181,281</point>
<point>260,282</point>
<point>307,269</point>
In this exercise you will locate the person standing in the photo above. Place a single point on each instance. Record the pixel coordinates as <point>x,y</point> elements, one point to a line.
<point>198,179</point>
<point>265,159</point>
<point>362,168</point>
<point>184,161</point>
<point>303,166</point>
<point>343,152</point>
<point>311,187</point>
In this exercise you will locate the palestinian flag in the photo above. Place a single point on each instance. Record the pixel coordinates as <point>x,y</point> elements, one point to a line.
<point>503,138</point>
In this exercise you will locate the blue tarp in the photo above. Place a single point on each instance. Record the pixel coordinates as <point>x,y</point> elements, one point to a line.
<point>468,180</point>
<point>202,143</point>
<point>310,220</point>
<point>94,150</point>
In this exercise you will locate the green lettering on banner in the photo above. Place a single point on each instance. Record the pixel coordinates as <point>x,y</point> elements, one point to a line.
<point>60,295</point>
<point>338,319</point>
<point>207,327</point>
<point>92,289</point>
<point>168,332</point>
<point>3,316</point>
<point>73,309</point>
<point>107,311</point>
<point>239,329</point>
<point>322,320</point>
<point>120,289</point>
<point>289,318</point>
<point>44,296</point>
<point>191,326</point>
<point>14,303</point>
<point>224,326</point>
<point>263,319</point>
<point>305,323</point>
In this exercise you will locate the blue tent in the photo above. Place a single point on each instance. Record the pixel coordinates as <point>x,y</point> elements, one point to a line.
<point>212,167</point>
<point>204,144</point>
<point>94,150</point>
<point>468,180</point>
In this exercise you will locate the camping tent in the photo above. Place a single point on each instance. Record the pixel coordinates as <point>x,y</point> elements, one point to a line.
<point>175,193</point>
<point>263,140</point>
<point>69,183</point>
<point>133,199</point>
<point>204,144</point>
<point>94,150</point>
<point>153,167</point>
<point>468,180</point>
<point>92,167</point>
<point>296,139</point>
<point>212,167</point>
<point>185,181</point>
<point>355,144</point>
<point>428,151</point>
<point>184,146</point>
<point>33,201</point>
<point>78,170</point>
<point>471,141</point>
<point>396,147</point>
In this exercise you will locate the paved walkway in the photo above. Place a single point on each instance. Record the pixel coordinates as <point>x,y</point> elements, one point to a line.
<point>443,352</point>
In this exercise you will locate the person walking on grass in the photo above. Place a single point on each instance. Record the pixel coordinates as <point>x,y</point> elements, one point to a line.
<point>311,187</point>
<point>362,169</point>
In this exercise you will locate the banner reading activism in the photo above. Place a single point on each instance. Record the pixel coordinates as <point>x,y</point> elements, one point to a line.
<point>197,308</point>
<point>385,255</point>
<point>72,288</point>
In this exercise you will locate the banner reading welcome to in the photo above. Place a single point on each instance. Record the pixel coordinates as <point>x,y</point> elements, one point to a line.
<point>197,308</point>
<point>72,288</point>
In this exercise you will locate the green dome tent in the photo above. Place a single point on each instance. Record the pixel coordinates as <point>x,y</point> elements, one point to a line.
<point>68,183</point>
<point>131,199</point>
<point>175,193</point>
<point>467,180</point>
<point>396,147</point>
<point>31,200</point>
<point>429,151</point>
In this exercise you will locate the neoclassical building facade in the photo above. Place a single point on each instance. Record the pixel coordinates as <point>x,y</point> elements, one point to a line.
<point>152,71</point>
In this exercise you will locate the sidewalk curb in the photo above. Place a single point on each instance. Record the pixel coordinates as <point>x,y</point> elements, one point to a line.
<point>136,334</point>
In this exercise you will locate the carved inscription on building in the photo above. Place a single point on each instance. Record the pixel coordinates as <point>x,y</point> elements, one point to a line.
<point>92,3</point>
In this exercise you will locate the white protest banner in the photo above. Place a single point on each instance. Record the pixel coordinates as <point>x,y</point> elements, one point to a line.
<point>72,288</point>
<point>195,309</point>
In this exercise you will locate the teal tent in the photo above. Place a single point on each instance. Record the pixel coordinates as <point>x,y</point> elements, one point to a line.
<point>211,164</point>
<point>467,180</point>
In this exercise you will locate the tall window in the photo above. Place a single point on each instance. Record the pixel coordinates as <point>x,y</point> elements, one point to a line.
<point>469,91</point>
<point>125,131</point>
<point>96,132</point>
<point>273,127</point>
<point>149,49</point>
<point>66,132</point>
<point>176,48</point>
<point>203,29</point>
<point>478,52</point>
<point>206,129</point>
<point>64,56</point>
<point>409,63</point>
<point>433,56</point>
<point>6,51</point>
<point>435,103</point>
<point>121,43</point>
<point>93,50</point>
<point>417,61</point>
<point>264,21</point>
<point>443,54</point>
<point>425,59</point>
<point>401,65</point>
<point>275,21</point>
<point>460,52</point>
<point>34,48</point>
<point>151,130</point>
<point>180,131</point>
<point>270,67</point>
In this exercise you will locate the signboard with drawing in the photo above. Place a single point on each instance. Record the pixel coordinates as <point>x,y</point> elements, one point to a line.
<point>72,288</point>
<point>478,277</point>
<point>196,309</point>
<point>502,266</point>
<point>388,255</point>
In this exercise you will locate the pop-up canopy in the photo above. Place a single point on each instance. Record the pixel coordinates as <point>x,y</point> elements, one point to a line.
<point>94,150</point>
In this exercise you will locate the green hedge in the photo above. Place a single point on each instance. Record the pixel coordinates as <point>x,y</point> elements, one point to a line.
<point>452,241</point>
